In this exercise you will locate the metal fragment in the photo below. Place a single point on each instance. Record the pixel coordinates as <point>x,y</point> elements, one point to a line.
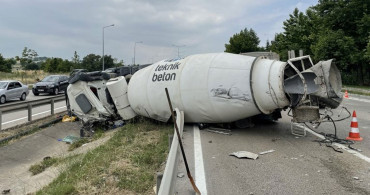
<point>219,132</point>
<point>245,154</point>
<point>266,152</point>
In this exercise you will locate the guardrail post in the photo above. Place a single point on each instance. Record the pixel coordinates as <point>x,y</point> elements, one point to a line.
<point>159,181</point>
<point>29,112</point>
<point>170,138</point>
<point>52,106</point>
<point>1,118</point>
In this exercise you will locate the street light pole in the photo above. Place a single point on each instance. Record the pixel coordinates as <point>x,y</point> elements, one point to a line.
<point>135,49</point>
<point>103,41</point>
<point>178,49</point>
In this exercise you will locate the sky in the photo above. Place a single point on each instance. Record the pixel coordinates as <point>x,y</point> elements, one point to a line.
<point>161,29</point>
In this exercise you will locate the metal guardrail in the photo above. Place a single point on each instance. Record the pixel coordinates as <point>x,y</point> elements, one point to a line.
<point>28,105</point>
<point>168,181</point>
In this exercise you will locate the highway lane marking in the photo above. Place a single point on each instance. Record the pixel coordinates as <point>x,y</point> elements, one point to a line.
<point>361,156</point>
<point>32,115</point>
<point>200,178</point>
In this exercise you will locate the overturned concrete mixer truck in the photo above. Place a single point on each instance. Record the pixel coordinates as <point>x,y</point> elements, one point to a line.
<point>209,88</point>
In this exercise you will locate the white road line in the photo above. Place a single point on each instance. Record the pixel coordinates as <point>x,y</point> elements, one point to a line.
<point>200,178</point>
<point>32,115</point>
<point>361,156</point>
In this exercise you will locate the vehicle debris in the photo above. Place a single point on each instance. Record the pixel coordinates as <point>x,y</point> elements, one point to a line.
<point>356,178</point>
<point>275,139</point>
<point>67,118</point>
<point>266,152</point>
<point>180,175</point>
<point>219,132</point>
<point>6,191</point>
<point>219,129</point>
<point>244,154</point>
<point>70,139</point>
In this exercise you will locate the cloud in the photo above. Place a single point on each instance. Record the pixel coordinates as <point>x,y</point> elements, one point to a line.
<point>57,28</point>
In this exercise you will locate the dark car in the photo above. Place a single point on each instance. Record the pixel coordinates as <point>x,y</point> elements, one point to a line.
<point>52,84</point>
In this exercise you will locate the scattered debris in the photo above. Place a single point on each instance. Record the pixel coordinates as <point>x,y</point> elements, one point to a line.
<point>266,152</point>
<point>219,129</point>
<point>6,191</point>
<point>301,155</point>
<point>47,158</point>
<point>118,123</point>
<point>219,132</point>
<point>67,118</point>
<point>294,158</point>
<point>245,154</point>
<point>334,148</point>
<point>356,178</point>
<point>210,141</point>
<point>353,148</point>
<point>180,175</point>
<point>70,139</point>
<point>275,139</point>
<point>319,171</point>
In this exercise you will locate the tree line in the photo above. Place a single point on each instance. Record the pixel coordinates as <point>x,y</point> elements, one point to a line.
<point>332,29</point>
<point>31,61</point>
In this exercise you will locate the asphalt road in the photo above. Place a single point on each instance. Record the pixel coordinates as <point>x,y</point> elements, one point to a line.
<point>16,158</point>
<point>12,119</point>
<point>299,165</point>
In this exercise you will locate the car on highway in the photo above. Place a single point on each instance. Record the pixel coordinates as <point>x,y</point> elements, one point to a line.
<point>11,89</point>
<point>51,84</point>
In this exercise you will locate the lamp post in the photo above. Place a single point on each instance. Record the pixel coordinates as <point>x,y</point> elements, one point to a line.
<point>135,50</point>
<point>178,49</point>
<point>103,41</point>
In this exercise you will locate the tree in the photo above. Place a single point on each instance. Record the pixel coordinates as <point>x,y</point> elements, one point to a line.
<point>76,60</point>
<point>331,29</point>
<point>6,64</point>
<point>94,62</point>
<point>28,55</point>
<point>91,62</point>
<point>245,41</point>
<point>52,64</point>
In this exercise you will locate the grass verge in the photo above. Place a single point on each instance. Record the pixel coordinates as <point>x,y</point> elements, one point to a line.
<point>359,92</point>
<point>98,134</point>
<point>125,164</point>
<point>38,168</point>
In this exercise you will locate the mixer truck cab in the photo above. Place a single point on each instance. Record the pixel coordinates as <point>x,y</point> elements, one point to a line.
<point>209,88</point>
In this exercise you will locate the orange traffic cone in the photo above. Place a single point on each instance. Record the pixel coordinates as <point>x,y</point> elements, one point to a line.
<point>346,94</point>
<point>354,134</point>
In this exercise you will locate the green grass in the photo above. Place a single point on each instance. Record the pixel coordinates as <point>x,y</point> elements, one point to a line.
<point>98,134</point>
<point>125,164</point>
<point>40,167</point>
<point>354,89</point>
<point>358,92</point>
<point>357,86</point>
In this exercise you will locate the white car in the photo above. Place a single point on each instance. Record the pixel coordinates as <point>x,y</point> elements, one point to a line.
<point>12,89</point>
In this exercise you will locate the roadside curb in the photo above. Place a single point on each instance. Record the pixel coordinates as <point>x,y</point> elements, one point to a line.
<point>54,121</point>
